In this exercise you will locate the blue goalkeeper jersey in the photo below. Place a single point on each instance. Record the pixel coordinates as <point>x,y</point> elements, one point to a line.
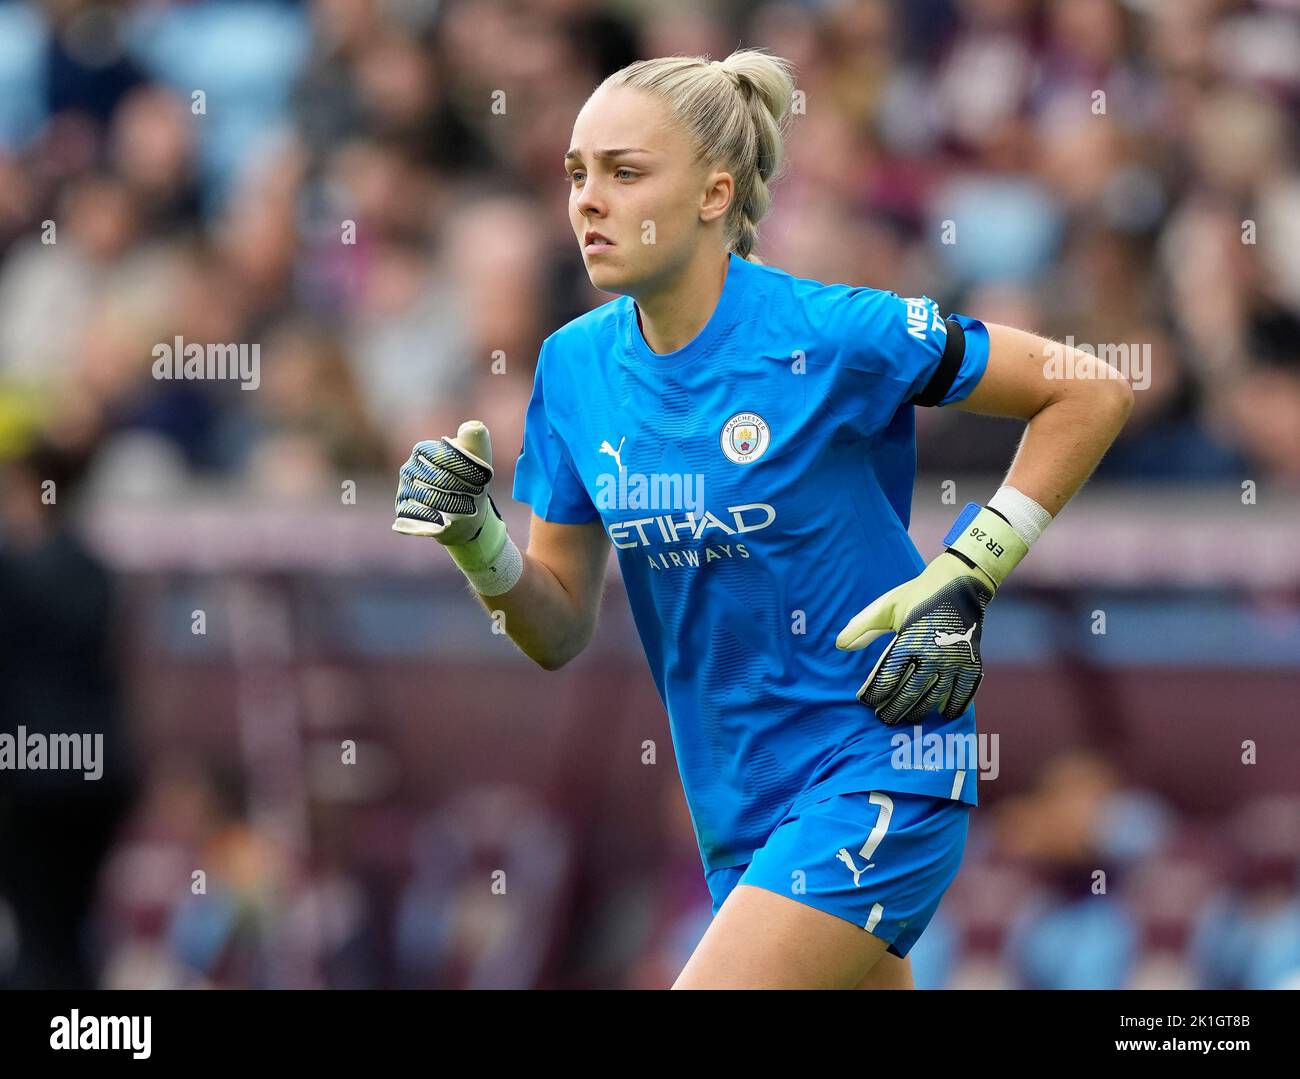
<point>757,486</point>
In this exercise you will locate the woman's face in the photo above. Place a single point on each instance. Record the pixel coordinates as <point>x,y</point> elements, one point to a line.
<point>653,206</point>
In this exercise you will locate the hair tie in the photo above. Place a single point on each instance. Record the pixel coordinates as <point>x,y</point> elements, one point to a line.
<point>733,76</point>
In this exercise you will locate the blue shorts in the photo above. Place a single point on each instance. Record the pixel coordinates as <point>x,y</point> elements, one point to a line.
<point>879,860</point>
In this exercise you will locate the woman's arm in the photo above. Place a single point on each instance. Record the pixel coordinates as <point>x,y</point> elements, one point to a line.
<point>549,596</point>
<point>552,610</point>
<point>933,662</point>
<point>1072,420</point>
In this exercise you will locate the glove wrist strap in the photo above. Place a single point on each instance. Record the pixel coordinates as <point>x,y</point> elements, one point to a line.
<point>491,561</point>
<point>483,549</point>
<point>495,576</point>
<point>986,539</point>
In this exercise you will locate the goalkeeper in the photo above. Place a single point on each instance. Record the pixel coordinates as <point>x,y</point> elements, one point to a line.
<point>792,628</point>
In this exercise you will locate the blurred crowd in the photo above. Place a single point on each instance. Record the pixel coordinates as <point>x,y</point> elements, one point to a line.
<point>373,194</point>
<point>1079,882</point>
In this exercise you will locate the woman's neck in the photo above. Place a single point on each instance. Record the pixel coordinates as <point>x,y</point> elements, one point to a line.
<point>673,317</point>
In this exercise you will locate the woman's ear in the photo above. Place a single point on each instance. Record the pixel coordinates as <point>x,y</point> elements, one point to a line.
<point>720,189</point>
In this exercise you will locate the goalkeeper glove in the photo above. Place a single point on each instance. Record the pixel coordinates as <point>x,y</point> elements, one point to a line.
<point>934,661</point>
<point>442,493</point>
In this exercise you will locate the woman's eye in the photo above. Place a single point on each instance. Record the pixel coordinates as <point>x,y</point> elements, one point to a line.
<point>577,176</point>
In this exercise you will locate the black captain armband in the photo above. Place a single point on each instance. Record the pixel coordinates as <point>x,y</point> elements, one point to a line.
<point>949,364</point>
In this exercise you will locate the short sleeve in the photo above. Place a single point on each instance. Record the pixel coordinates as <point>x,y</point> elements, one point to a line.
<point>896,351</point>
<point>545,477</point>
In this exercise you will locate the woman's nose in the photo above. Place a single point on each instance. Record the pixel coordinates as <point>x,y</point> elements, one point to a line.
<point>590,198</point>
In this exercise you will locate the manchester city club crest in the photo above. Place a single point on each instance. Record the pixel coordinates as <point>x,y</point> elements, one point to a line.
<point>745,437</point>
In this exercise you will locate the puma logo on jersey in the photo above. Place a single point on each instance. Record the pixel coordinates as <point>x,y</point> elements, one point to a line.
<point>845,857</point>
<point>605,447</point>
<point>942,640</point>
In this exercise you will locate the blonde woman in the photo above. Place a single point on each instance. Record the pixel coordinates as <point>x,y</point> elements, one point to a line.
<point>745,440</point>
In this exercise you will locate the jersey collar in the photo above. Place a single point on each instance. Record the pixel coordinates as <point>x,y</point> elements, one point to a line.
<point>725,315</point>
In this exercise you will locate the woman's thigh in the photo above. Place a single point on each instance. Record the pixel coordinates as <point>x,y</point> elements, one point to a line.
<point>889,973</point>
<point>761,940</point>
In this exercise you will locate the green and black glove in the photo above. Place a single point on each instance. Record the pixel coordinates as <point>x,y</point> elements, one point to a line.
<point>933,664</point>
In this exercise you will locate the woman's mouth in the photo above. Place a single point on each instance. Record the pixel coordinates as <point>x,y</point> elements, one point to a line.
<point>593,243</point>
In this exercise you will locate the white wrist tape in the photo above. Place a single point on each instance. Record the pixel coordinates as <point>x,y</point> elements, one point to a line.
<point>498,576</point>
<point>1024,515</point>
